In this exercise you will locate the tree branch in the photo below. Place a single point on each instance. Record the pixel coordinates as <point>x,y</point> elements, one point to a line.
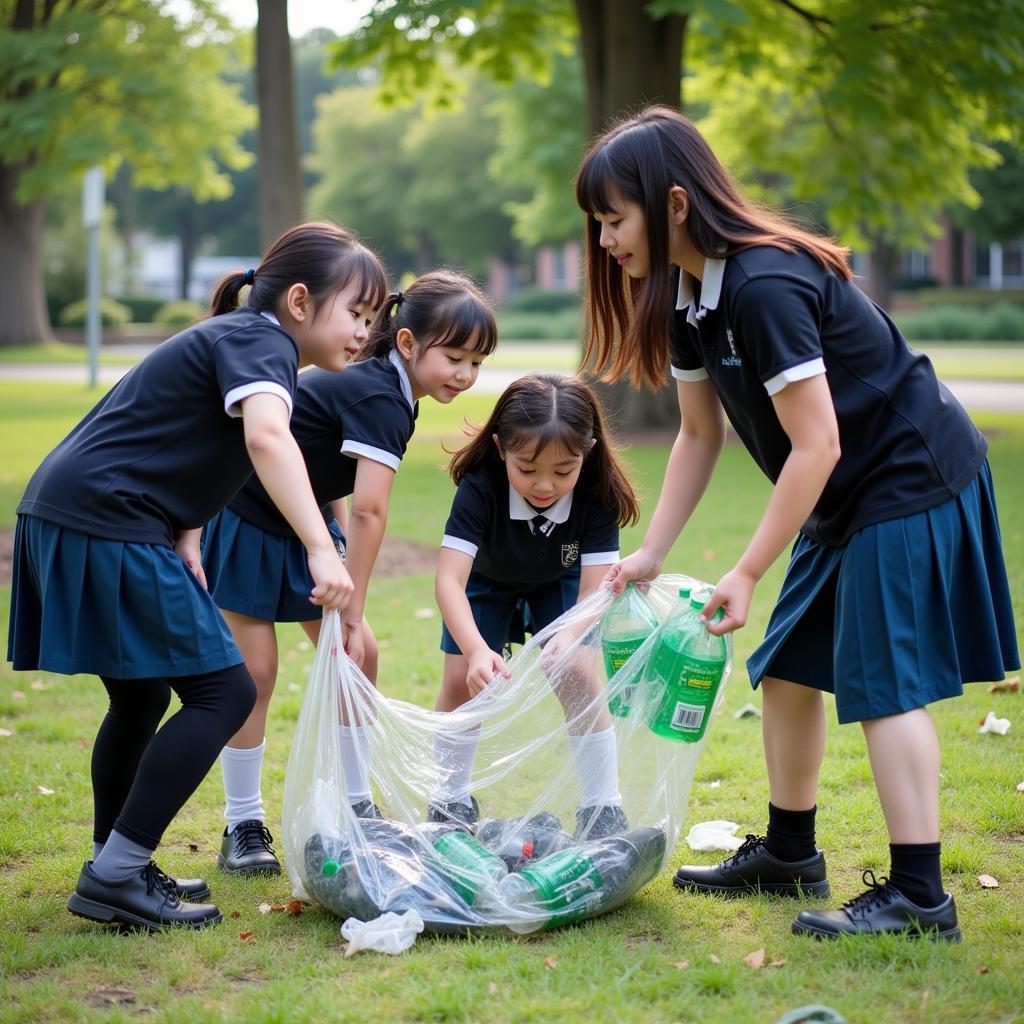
<point>816,21</point>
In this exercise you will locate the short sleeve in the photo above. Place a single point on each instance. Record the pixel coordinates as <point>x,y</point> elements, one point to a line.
<point>777,321</point>
<point>685,357</point>
<point>253,360</point>
<point>599,544</point>
<point>467,522</point>
<point>378,427</point>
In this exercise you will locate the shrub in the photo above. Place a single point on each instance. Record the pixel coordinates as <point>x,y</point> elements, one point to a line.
<point>564,326</point>
<point>533,300</point>
<point>144,307</point>
<point>182,313</point>
<point>944,297</point>
<point>112,313</point>
<point>1002,322</point>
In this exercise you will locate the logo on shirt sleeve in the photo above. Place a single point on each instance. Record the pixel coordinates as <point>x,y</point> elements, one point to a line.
<point>570,552</point>
<point>733,359</point>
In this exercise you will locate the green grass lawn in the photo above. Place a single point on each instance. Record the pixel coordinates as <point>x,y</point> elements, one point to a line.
<point>663,957</point>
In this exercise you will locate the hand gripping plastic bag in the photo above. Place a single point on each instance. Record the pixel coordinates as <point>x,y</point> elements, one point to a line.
<point>580,764</point>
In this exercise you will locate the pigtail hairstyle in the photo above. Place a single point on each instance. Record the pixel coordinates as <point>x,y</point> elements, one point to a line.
<point>322,256</point>
<point>640,159</point>
<point>547,408</point>
<point>439,308</point>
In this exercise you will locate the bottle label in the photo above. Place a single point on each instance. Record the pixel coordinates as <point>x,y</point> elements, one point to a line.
<point>688,686</point>
<point>568,886</point>
<point>616,654</point>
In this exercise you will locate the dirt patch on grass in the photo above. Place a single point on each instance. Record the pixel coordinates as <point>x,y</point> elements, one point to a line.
<point>397,557</point>
<point>108,996</point>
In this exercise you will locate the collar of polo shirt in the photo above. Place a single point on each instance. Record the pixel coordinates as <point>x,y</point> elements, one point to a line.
<point>403,377</point>
<point>520,508</point>
<point>710,290</point>
<point>270,316</point>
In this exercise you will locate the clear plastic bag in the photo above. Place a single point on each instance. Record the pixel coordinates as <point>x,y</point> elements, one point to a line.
<point>538,856</point>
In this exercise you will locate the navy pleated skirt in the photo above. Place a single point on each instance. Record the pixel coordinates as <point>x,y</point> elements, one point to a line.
<point>252,572</point>
<point>129,611</point>
<point>903,615</point>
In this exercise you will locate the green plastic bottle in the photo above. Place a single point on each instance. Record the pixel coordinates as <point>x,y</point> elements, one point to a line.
<point>470,868</point>
<point>626,625</point>
<point>684,674</point>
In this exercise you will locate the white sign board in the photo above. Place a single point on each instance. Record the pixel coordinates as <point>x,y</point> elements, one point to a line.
<point>93,188</point>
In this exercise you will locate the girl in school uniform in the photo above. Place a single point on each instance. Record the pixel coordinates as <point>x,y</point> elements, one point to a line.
<point>107,578</point>
<point>896,592</point>
<point>533,528</point>
<point>352,430</point>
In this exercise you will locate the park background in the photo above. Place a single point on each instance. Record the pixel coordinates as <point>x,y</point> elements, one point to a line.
<point>447,132</point>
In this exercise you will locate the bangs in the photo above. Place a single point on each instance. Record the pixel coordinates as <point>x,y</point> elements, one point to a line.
<point>468,324</point>
<point>530,442</point>
<point>597,186</point>
<point>360,266</point>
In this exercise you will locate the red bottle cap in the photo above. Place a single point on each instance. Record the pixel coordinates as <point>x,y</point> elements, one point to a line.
<point>528,848</point>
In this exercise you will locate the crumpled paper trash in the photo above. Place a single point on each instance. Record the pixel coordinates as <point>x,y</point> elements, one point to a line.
<point>815,1013</point>
<point>714,835</point>
<point>994,724</point>
<point>390,933</point>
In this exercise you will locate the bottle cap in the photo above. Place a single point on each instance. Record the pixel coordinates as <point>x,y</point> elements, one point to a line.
<point>330,868</point>
<point>685,591</point>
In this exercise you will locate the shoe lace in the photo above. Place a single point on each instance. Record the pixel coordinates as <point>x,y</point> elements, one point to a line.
<point>750,845</point>
<point>253,837</point>
<point>878,893</point>
<point>160,882</point>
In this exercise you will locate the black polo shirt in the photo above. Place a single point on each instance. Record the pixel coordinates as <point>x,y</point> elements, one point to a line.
<point>495,526</point>
<point>366,410</point>
<point>164,449</point>
<point>765,318</point>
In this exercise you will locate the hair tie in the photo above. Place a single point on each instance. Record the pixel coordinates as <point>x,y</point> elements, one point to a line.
<point>250,276</point>
<point>399,295</point>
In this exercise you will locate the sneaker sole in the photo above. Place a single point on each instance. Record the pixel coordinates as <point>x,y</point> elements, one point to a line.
<point>262,869</point>
<point>819,890</point>
<point>935,934</point>
<point>81,906</point>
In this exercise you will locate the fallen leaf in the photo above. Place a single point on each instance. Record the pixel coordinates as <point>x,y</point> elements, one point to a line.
<point>551,963</point>
<point>748,711</point>
<point>17,695</point>
<point>423,613</point>
<point>983,970</point>
<point>294,907</point>
<point>43,791</point>
<point>988,882</point>
<point>778,961</point>
<point>39,685</point>
<point>7,732</point>
<point>681,965</point>
<point>714,959</point>
<point>1006,686</point>
<point>264,908</point>
<point>235,914</point>
<point>755,959</point>
<point>246,936</point>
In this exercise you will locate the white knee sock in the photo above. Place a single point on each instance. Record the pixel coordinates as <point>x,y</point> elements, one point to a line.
<point>597,765</point>
<point>454,754</point>
<point>356,757</point>
<point>242,770</point>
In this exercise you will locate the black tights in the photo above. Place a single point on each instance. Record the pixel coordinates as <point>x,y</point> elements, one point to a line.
<point>141,778</point>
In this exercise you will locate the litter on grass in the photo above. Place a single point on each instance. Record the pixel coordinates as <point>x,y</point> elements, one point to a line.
<point>1000,726</point>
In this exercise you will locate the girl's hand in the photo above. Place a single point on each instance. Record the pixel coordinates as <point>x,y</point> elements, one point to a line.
<point>332,584</point>
<point>352,641</point>
<point>733,593</point>
<point>484,665</point>
<point>638,566</point>
<point>187,549</point>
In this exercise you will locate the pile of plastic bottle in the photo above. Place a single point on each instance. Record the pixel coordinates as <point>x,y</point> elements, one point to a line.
<point>660,677</point>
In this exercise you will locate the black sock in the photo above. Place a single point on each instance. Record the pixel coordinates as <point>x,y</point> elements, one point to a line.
<point>916,872</point>
<point>790,833</point>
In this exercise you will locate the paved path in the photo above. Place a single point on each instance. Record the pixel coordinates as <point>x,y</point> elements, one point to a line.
<point>990,396</point>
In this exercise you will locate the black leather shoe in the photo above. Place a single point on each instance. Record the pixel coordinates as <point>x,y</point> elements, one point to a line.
<point>247,850</point>
<point>753,869</point>
<point>455,811</point>
<point>147,900</point>
<point>600,821</point>
<point>881,910</point>
<point>191,888</point>
<point>367,809</point>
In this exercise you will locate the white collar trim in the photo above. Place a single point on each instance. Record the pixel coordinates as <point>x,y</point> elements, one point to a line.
<point>403,376</point>
<point>520,508</point>
<point>270,316</point>
<point>710,290</point>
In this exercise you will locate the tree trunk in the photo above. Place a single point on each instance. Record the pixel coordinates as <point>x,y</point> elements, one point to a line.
<point>188,238</point>
<point>883,260</point>
<point>25,320</point>
<point>279,168</point>
<point>629,61</point>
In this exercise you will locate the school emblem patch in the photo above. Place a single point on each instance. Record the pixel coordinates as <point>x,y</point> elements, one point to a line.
<point>570,552</point>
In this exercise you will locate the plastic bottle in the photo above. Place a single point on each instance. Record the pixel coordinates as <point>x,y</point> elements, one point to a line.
<point>581,881</point>
<point>468,867</point>
<point>626,625</point>
<point>519,841</point>
<point>684,674</point>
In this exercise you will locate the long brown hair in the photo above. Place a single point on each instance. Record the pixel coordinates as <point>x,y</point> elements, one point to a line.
<point>439,308</point>
<point>322,256</point>
<point>540,409</point>
<point>640,159</point>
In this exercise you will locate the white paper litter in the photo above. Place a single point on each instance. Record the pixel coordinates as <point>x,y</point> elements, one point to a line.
<point>994,724</point>
<point>714,835</point>
<point>390,933</point>
<point>748,711</point>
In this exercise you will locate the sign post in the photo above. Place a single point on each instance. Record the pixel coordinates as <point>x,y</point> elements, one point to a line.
<point>93,187</point>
